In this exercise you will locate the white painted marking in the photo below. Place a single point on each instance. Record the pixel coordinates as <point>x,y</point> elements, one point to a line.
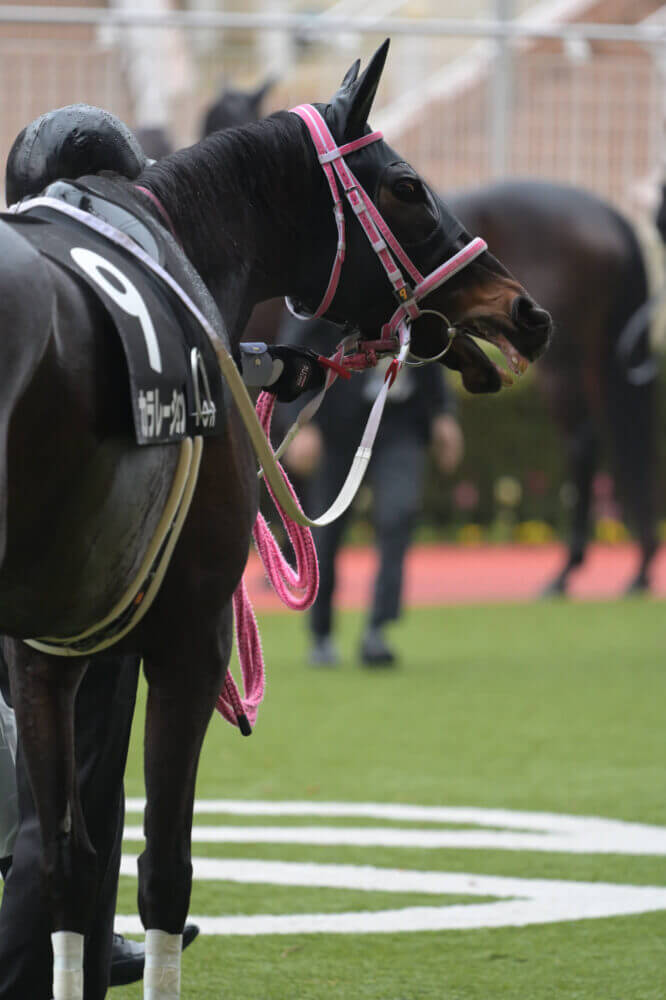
<point>128,298</point>
<point>541,901</point>
<point>595,840</point>
<point>571,834</point>
<point>538,902</point>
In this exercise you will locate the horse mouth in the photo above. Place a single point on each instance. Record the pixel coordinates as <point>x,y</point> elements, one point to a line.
<point>520,338</point>
<point>516,361</point>
<point>480,373</point>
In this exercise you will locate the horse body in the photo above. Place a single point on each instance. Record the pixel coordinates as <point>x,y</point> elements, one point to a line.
<point>253,213</point>
<point>581,259</point>
<point>73,543</point>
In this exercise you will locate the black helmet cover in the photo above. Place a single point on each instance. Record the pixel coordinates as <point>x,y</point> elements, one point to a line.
<point>68,143</point>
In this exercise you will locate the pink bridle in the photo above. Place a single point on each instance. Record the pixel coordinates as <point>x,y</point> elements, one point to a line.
<point>389,251</point>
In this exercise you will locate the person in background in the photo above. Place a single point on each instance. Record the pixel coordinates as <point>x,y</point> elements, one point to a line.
<point>420,414</point>
<point>8,791</point>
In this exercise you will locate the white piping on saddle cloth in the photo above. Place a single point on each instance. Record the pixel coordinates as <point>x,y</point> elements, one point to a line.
<point>173,518</point>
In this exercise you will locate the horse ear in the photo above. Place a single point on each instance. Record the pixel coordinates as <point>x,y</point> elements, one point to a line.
<point>261,91</point>
<point>364,93</point>
<point>351,75</point>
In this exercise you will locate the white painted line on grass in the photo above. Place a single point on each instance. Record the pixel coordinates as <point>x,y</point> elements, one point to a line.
<point>516,831</point>
<point>540,901</point>
<point>592,842</point>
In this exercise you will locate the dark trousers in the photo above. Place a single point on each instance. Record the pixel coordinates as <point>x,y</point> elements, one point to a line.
<point>396,475</point>
<point>104,709</point>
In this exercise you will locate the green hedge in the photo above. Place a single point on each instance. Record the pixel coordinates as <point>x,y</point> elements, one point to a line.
<point>511,434</point>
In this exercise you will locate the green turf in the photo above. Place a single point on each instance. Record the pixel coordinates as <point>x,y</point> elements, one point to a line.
<point>232,898</point>
<point>553,706</point>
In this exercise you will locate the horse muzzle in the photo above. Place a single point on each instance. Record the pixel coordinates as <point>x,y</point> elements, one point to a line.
<point>533,325</point>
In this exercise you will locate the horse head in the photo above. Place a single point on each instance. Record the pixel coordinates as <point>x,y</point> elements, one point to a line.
<point>481,301</point>
<point>235,107</point>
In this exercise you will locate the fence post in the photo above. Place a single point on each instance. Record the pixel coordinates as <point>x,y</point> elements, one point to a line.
<point>499,105</point>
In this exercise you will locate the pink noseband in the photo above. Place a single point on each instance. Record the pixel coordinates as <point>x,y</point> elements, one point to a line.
<point>391,255</point>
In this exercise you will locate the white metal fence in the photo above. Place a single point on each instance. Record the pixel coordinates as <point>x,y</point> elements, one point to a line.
<point>583,104</point>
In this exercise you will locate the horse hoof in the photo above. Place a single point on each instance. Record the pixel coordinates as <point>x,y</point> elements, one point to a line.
<point>556,588</point>
<point>640,585</point>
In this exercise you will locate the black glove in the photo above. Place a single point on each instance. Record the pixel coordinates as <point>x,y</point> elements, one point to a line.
<point>302,372</point>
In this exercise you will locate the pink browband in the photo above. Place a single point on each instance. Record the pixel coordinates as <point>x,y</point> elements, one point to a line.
<point>383,242</point>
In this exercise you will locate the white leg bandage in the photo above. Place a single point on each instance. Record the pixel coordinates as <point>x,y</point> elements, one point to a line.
<point>161,976</point>
<point>67,965</point>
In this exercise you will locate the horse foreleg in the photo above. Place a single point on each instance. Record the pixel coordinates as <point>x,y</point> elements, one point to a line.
<point>582,452</point>
<point>632,419</point>
<point>183,685</point>
<point>43,690</point>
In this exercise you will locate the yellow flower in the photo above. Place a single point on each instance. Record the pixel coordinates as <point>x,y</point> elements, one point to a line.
<point>470,534</point>
<point>534,533</point>
<point>508,491</point>
<point>610,531</point>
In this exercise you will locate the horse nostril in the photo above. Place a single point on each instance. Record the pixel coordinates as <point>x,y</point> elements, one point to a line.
<point>527,314</point>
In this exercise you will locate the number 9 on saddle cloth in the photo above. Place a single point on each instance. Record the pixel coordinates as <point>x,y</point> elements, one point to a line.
<point>176,386</point>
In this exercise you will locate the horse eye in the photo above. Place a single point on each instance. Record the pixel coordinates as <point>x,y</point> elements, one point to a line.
<point>408,189</point>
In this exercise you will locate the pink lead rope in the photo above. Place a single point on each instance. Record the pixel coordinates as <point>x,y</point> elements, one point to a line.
<point>295,588</point>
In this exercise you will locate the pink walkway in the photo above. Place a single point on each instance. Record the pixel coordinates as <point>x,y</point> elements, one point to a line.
<point>447,574</point>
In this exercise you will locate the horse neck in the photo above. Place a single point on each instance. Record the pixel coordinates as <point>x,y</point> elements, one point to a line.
<point>240,203</point>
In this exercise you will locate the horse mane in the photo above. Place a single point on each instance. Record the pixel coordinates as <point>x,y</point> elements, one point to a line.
<point>259,169</point>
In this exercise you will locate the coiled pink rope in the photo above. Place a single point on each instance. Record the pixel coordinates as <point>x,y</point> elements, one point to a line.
<point>297,588</point>
<point>305,578</point>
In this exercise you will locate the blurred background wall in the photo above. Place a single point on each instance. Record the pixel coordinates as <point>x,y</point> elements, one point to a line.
<point>465,108</point>
<point>503,88</point>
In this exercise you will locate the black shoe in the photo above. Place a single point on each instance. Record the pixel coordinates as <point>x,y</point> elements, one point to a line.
<point>128,957</point>
<point>375,651</point>
<point>323,652</point>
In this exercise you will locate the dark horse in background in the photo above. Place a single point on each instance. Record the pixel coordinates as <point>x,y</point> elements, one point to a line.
<point>581,260</point>
<point>252,210</point>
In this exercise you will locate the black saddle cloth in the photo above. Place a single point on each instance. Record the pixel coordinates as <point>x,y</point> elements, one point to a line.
<point>166,348</point>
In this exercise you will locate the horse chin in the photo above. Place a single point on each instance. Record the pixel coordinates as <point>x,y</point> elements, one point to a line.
<point>500,334</point>
<point>479,373</point>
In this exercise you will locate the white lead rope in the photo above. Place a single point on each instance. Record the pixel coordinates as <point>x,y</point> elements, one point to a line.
<point>268,461</point>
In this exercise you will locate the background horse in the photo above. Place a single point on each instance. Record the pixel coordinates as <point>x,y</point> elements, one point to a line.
<point>580,258</point>
<point>252,211</point>
<point>583,261</point>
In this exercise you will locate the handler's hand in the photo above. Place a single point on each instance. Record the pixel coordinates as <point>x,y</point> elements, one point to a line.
<point>301,372</point>
<point>448,443</point>
<point>305,452</point>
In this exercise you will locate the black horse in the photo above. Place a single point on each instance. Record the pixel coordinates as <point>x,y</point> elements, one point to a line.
<point>79,499</point>
<point>235,107</point>
<point>580,258</point>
